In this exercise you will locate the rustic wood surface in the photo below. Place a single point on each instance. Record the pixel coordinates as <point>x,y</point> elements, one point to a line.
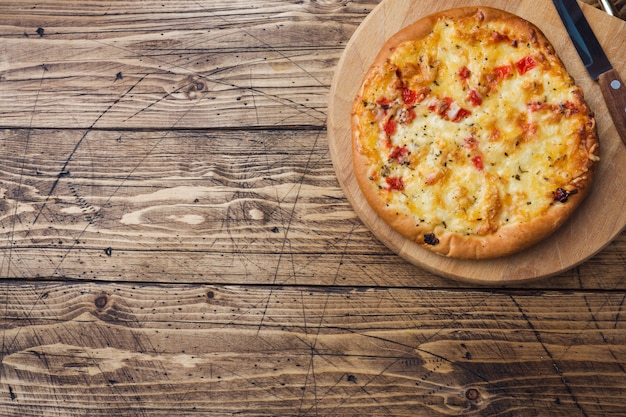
<point>174,240</point>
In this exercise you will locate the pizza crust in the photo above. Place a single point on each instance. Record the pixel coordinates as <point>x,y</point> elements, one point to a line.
<point>506,239</point>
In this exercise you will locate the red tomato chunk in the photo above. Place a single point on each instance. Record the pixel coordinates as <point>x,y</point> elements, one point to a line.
<point>525,64</point>
<point>478,162</point>
<point>390,126</point>
<point>409,96</point>
<point>395,183</point>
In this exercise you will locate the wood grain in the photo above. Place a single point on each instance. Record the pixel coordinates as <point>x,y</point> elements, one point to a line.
<point>220,350</point>
<point>175,64</point>
<point>614,92</point>
<point>581,237</point>
<point>160,259</point>
<point>189,206</point>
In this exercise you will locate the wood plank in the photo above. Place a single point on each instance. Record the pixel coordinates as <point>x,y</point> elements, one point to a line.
<point>179,64</point>
<point>187,206</point>
<point>329,266</point>
<point>169,190</point>
<point>69,349</point>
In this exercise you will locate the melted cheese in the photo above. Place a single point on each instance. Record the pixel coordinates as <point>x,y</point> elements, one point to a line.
<point>491,139</point>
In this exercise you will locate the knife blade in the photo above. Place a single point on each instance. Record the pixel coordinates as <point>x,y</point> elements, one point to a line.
<point>595,60</point>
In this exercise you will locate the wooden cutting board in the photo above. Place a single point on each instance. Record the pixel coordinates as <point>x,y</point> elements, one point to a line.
<point>600,218</point>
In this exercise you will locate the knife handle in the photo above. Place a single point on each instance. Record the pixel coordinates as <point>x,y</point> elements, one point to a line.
<point>614,92</point>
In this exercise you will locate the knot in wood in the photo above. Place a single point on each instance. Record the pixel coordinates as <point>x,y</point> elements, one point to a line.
<point>101,301</point>
<point>472,394</point>
<point>328,5</point>
<point>195,87</point>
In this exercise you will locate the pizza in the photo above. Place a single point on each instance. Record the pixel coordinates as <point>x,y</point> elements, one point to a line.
<point>469,136</point>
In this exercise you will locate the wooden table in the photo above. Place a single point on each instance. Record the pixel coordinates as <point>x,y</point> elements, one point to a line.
<point>175,240</point>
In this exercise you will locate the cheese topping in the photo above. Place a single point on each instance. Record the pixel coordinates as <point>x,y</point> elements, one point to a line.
<point>472,127</point>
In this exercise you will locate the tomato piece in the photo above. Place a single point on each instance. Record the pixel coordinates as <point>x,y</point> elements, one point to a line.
<point>441,106</point>
<point>398,153</point>
<point>390,126</point>
<point>384,102</point>
<point>478,162</point>
<point>525,64</point>
<point>464,73</point>
<point>502,71</point>
<point>461,114</point>
<point>409,96</point>
<point>475,98</point>
<point>471,143</point>
<point>395,183</point>
<point>406,116</point>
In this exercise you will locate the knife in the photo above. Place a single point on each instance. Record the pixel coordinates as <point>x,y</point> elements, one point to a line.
<point>607,7</point>
<point>595,60</point>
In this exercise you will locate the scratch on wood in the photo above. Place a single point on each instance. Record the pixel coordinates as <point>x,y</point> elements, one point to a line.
<point>89,211</point>
<point>594,320</point>
<point>256,110</point>
<point>556,367</point>
<point>21,178</point>
<point>190,86</point>
<point>287,227</point>
<point>619,312</point>
<point>73,152</point>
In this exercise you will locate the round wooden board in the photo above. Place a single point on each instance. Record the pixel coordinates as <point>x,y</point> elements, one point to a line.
<point>600,218</point>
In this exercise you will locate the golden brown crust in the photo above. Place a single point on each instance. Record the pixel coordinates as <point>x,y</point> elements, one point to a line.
<point>491,239</point>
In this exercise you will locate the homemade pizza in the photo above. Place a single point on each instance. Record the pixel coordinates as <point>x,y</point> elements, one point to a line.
<point>470,137</point>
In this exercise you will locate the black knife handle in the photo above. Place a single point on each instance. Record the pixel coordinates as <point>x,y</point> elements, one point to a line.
<point>614,92</point>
